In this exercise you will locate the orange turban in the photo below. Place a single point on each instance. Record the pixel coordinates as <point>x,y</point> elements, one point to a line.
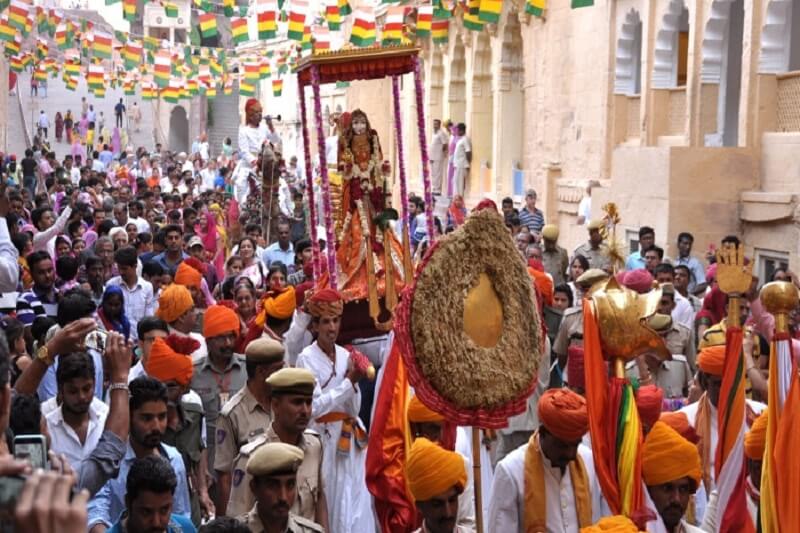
<point>678,421</point>
<point>281,306</point>
<point>188,276</point>
<point>711,360</point>
<point>431,470</point>
<point>563,413</point>
<point>418,412</point>
<point>755,439</point>
<point>667,457</point>
<point>612,524</point>
<point>165,364</point>
<point>325,302</point>
<point>174,301</point>
<point>220,320</point>
<point>648,403</point>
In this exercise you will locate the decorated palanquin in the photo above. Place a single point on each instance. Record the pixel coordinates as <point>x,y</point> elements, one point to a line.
<point>370,263</point>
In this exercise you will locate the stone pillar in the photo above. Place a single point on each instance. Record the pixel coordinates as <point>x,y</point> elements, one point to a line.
<point>697,18</point>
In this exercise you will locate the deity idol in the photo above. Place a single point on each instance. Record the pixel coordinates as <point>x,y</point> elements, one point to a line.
<point>366,216</point>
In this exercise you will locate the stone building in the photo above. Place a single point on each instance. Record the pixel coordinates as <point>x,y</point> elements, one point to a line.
<point>687,111</point>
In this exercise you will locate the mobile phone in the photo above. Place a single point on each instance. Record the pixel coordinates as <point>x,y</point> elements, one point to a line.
<point>32,448</point>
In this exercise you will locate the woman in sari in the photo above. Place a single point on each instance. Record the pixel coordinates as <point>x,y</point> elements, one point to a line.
<point>457,213</point>
<point>112,312</point>
<point>252,267</point>
<point>59,126</point>
<point>69,123</point>
<point>212,242</point>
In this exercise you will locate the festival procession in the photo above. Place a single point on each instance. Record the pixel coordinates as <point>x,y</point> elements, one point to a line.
<point>437,266</point>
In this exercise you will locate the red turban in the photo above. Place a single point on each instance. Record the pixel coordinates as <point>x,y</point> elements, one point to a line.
<point>165,364</point>
<point>563,413</point>
<point>755,439</point>
<point>648,403</point>
<point>711,360</point>
<point>188,276</point>
<point>576,375</point>
<point>485,204</point>
<point>220,320</point>
<point>325,302</point>
<point>541,281</point>
<point>174,301</point>
<point>639,280</point>
<point>249,105</point>
<point>678,421</point>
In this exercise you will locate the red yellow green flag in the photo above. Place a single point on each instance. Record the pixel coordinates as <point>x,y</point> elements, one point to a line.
<point>277,86</point>
<point>332,15</point>
<point>18,13</point>
<point>171,10</point>
<point>393,27</point>
<point>246,89</point>
<point>266,15</point>
<point>229,7</point>
<point>7,31</point>
<point>102,45</point>
<point>489,11</point>
<point>363,32</point>
<point>424,20</point>
<point>344,8</point>
<point>239,30</point>
<point>208,25</point>
<point>129,10</point>
<point>440,29</point>
<point>322,39</point>
<point>297,20</point>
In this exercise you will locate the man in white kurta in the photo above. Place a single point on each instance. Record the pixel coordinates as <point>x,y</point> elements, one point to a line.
<point>462,159</point>
<point>438,155</point>
<point>252,137</point>
<point>564,420</point>
<point>336,403</point>
<point>710,363</point>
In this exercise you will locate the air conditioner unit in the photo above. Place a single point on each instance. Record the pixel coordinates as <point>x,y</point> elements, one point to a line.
<point>159,21</point>
<point>180,21</point>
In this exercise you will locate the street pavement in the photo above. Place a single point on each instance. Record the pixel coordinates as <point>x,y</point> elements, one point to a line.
<point>59,98</point>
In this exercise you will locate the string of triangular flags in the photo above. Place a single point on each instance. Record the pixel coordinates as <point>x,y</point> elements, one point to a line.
<point>174,72</point>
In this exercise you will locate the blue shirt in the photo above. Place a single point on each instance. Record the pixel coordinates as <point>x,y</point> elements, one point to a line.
<point>534,221</point>
<point>634,261</point>
<point>108,505</point>
<point>177,524</point>
<point>106,157</point>
<point>161,259</point>
<point>275,253</point>
<point>48,387</point>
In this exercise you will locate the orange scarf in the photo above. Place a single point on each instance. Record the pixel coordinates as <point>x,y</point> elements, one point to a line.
<point>351,430</point>
<point>703,430</point>
<point>536,494</point>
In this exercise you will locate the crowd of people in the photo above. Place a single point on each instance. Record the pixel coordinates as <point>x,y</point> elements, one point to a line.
<point>185,370</point>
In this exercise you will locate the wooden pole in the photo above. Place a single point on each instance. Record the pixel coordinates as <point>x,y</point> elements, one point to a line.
<point>476,477</point>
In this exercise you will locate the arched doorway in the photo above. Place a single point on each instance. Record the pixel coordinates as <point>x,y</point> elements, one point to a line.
<point>481,112</point>
<point>722,65</point>
<point>628,68</point>
<point>780,38</point>
<point>436,86</point>
<point>178,130</point>
<point>509,116</point>
<point>672,48</point>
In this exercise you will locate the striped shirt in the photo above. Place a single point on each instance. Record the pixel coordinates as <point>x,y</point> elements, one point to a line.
<point>534,221</point>
<point>30,306</point>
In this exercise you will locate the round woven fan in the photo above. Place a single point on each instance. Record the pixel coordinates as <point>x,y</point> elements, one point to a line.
<point>469,328</point>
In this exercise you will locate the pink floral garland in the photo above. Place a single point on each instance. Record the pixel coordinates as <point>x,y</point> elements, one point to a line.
<point>401,162</point>
<point>326,185</point>
<point>316,260</point>
<point>426,176</point>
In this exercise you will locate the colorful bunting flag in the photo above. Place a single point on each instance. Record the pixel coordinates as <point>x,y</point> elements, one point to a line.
<point>208,25</point>
<point>582,3</point>
<point>344,8</point>
<point>277,87</point>
<point>239,30</point>
<point>440,10</point>
<point>95,76</point>
<point>440,29</point>
<point>535,7</point>
<point>18,13</point>
<point>7,31</point>
<point>13,46</point>
<point>393,28</point>
<point>332,15</point>
<point>489,11</point>
<point>162,67</point>
<point>297,20</point>
<point>132,55</point>
<point>102,45</point>
<point>129,10</point>
<point>228,7</point>
<point>363,32</point>
<point>266,12</point>
<point>171,10</point>
<point>16,64</point>
<point>322,39</point>
<point>424,20</point>
<point>245,89</point>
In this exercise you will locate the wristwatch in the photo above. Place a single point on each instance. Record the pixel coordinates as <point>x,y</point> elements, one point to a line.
<point>118,386</point>
<point>44,355</point>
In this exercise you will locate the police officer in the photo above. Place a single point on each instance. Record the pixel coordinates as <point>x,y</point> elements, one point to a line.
<point>273,468</point>
<point>291,392</point>
<point>247,414</point>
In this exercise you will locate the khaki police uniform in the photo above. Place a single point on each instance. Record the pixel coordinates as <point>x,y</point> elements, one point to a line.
<point>597,257</point>
<point>276,459</point>
<point>296,524</point>
<point>309,475</point>
<point>243,417</point>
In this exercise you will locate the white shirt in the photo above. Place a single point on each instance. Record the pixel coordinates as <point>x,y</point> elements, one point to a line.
<point>141,224</point>
<point>203,149</point>
<point>332,150</point>
<point>138,300</point>
<point>199,353</point>
<point>75,175</point>
<point>683,312</point>
<point>585,208</point>
<point>250,142</point>
<point>463,146</point>
<point>44,122</point>
<point>438,143</point>
<point>208,176</point>
<point>9,269</point>
<point>507,507</point>
<point>63,438</point>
